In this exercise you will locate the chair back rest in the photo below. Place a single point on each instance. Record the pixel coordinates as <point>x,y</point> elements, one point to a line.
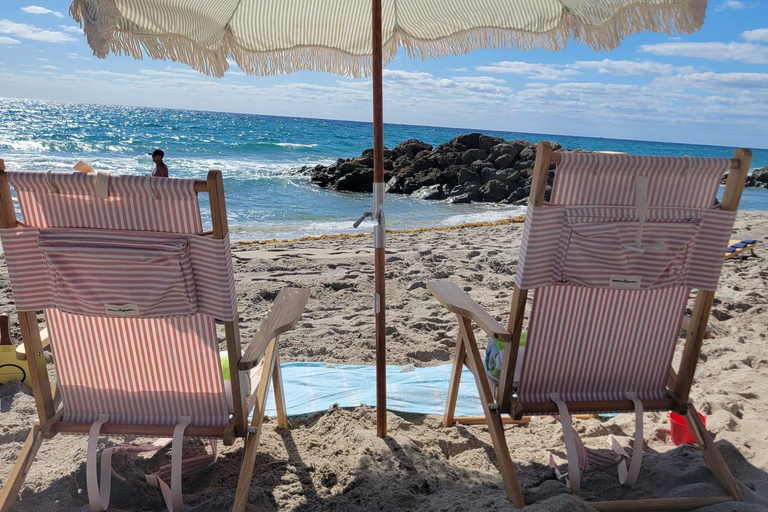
<point>612,258</point>
<point>131,289</point>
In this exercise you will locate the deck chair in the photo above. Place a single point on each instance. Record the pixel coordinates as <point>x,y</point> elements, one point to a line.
<point>131,288</point>
<point>610,259</point>
<point>739,248</point>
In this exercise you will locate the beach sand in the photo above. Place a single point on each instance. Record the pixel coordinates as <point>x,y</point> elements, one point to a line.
<point>334,461</point>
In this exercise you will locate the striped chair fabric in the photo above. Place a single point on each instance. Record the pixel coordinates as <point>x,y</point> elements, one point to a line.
<point>593,336</point>
<point>151,366</point>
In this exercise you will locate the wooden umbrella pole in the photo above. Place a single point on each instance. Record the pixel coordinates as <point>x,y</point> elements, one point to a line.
<point>379,242</point>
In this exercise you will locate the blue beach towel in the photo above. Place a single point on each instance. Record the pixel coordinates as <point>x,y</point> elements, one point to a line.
<point>740,245</point>
<point>312,387</point>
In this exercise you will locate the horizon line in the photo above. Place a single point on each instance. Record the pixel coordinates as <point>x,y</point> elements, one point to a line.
<point>469,130</point>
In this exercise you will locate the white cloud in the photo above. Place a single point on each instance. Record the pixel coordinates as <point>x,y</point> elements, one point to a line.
<point>540,71</point>
<point>721,83</point>
<point>665,102</point>
<point>741,52</point>
<point>624,67</point>
<point>177,70</point>
<point>77,56</point>
<point>403,81</point>
<point>758,35</point>
<point>49,67</point>
<point>685,70</point>
<point>71,28</point>
<point>9,40</point>
<point>35,9</point>
<point>460,70</point>
<point>478,79</point>
<point>529,69</point>
<point>26,31</point>
<point>731,5</point>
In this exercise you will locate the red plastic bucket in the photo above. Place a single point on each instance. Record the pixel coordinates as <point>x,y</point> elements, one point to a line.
<point>679,429</point>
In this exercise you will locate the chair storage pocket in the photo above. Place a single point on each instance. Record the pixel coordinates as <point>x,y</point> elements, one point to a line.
<point>119,274</point>
<point>608,255</point>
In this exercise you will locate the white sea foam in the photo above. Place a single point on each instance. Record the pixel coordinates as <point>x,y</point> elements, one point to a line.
<point>483,216</point>
<point>294,145</point>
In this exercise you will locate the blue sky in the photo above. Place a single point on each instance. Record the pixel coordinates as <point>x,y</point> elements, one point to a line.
<point>710,87</point>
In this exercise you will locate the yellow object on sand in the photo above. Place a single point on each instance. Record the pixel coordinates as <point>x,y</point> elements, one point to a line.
<point>11,368</point>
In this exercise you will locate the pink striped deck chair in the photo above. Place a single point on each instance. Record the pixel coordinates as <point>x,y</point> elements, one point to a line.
<point>611,260</point>
<point>131,288</point>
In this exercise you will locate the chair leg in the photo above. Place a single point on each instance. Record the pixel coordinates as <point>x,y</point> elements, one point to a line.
<point>19,472</point>
<point>277,384</point>
<point>254,431</point>
<point>712,456</point>
<point>492,417</point>
<point>459,358</point>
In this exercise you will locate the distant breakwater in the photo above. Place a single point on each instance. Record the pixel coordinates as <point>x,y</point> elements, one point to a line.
<point>472,167</point>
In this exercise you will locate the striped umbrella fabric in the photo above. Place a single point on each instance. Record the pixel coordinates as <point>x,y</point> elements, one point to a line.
<point>281,36</point>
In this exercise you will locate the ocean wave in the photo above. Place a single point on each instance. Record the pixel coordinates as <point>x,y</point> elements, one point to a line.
<point>22,145</point>
<point>483,216</point>
<point>294,145</point>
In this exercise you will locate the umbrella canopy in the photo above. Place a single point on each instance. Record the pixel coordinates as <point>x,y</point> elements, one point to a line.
<point>355,38</point>
<point>281,36</point>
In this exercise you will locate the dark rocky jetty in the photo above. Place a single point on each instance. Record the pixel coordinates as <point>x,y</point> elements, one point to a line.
<point>758,178</point>
<point>471,167</point>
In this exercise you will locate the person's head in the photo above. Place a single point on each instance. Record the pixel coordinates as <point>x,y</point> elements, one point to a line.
<point>157,156</point>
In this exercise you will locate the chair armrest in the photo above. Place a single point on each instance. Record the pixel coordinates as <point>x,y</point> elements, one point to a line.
<point>457,301</point>
<point>21,352</point>
<point>282,317</point>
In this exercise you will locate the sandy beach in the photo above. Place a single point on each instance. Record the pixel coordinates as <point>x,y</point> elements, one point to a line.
<point>334,461</point>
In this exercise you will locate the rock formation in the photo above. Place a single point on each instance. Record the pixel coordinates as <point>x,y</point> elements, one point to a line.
<point>471,167</point>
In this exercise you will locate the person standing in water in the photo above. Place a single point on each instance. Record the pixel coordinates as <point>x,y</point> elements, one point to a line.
<point>160,170</point>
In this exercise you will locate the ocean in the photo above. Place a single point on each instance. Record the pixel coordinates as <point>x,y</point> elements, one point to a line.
<point>255,154</point>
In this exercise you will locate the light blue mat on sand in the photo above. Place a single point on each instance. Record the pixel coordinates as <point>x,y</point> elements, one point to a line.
<point>312,387</point>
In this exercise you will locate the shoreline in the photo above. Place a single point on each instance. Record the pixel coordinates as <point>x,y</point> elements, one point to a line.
<point>516,220</point>
<point>519,219</point>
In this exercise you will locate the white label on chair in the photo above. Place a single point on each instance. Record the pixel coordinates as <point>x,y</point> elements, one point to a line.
<point>122,310</point>
<point>622,282</point>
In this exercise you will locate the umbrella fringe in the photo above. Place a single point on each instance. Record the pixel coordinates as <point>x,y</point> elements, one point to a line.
<point>104,35</point>
<point>683,17</point>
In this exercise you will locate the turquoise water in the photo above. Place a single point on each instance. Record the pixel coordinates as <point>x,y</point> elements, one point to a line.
<point>255,152</point>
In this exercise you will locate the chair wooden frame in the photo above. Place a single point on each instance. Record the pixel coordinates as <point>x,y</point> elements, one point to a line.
<point>282,317</point>
<point>741,252</point>
<point>679,381</point>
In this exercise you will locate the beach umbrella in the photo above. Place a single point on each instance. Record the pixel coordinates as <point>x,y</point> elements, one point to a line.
<point>356,38</point>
